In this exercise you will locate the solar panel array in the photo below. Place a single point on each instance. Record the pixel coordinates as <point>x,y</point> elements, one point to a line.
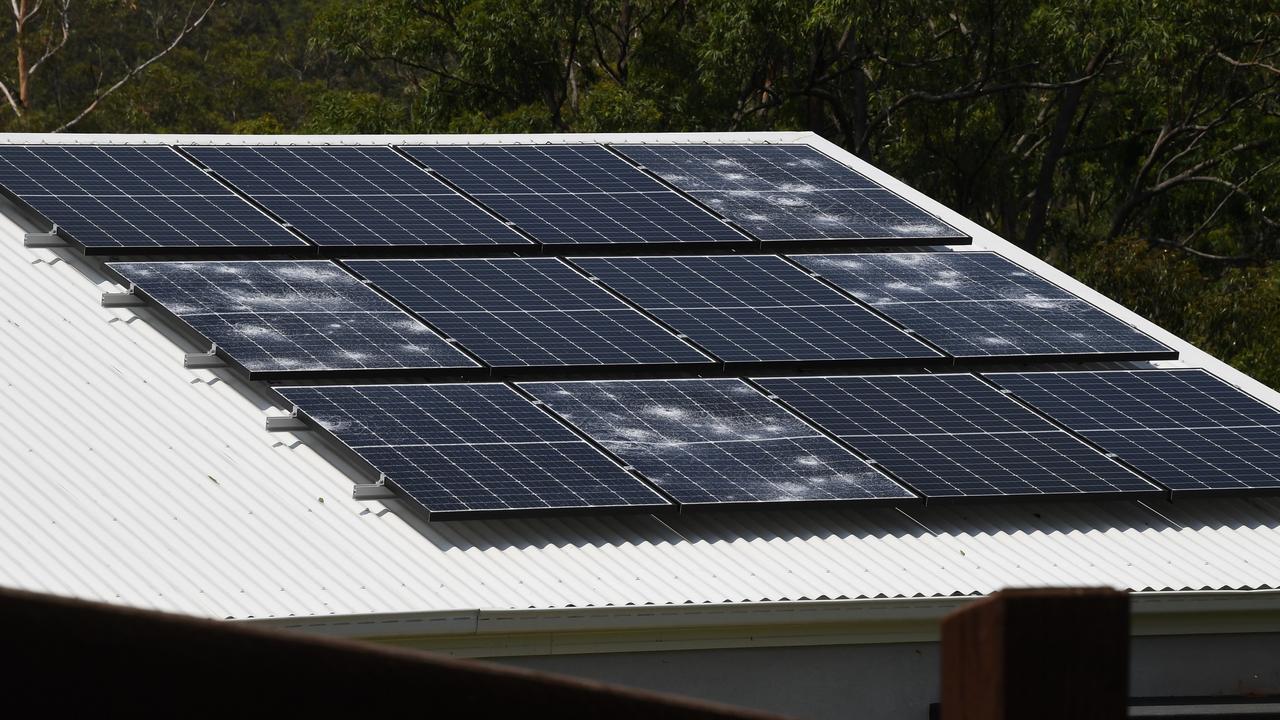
<point>790,192</point>
<point>954,436</point>
<point>290,316</point>
<point>355,196</point>
<point>574,194</point>
<point>715,441</point>
<point>518,312</point>
<point>129,197</point>
<point>470,449</point>
<point>745,308</point>
<point>634,358</point>
<point>980,305</point>
<point>1185,428</point>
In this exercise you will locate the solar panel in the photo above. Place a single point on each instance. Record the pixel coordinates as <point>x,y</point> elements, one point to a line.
<point>976,305</point>
<point>468,449</point>
<point>790,192</point>
<point>1184,428</point>
<point>714,442</point>
<point>355,195</point>
<point>753,308</point>
<point>280,317</point>
<point>574,194</point>
<point>122,196</point>
<point>516,312</point>
<point>954,436</point>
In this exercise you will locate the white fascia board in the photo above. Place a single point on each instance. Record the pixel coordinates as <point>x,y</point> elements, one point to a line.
<point>480,633</point>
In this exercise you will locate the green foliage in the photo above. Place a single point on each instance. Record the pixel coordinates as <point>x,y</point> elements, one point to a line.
<point>1135,144</point>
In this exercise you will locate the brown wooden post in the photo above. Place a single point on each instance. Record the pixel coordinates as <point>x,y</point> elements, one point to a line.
<point>1059,654</point>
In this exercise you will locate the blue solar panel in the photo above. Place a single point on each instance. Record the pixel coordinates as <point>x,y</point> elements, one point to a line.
<point>714,442</point>
<point>464,449</point>
<point>790,192</point>
<point>516,312</point>
<point>954,436</point>
<point>976,305</point>
<point>292,316</point>
<point>1184,428</point>
<point>753,308</point>
<point>355,195</point>
<point>121,196</point>
<point>574,194</point>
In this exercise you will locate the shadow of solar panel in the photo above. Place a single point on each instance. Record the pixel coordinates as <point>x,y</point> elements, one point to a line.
<point>574,194</point>
<point>462,450</point>
<point>977,305</point>
<point>122,196</point>
<point>516,312</point>
<point>745,308</point>
<point>790,192</point>
<point>355,195</point>
<point>1185,428</point>
<point>278,317</point>
<point>954,436</point>
<point>714,442</point>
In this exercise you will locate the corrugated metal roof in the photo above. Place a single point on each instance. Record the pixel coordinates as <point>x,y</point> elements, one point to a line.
<point>129,479</point>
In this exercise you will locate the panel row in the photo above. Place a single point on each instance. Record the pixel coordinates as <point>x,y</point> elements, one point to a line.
<point>459,450</point>
<point>286,317</point>
<point>118,198</point>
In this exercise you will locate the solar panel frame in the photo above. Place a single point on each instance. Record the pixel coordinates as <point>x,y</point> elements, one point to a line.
<point>576,194</point>
<point>791,193</point>
<point>356,197</point>
<point>136,199</point>
<point>428,427</point>
<point>978,305</point>
<point>755,309</point>
<point>288,316</point>
<point>1226,442</point>
<point>717,443</point>
<point>522,314</point>
<point>954,437</point>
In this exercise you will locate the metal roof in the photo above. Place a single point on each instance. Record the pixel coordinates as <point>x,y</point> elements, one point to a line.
<point>132,480</point>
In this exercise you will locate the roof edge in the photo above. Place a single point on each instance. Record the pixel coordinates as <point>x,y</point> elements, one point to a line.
<point>510,632</point>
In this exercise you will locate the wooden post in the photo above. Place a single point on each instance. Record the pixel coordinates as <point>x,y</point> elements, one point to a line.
<point>1047,654</point>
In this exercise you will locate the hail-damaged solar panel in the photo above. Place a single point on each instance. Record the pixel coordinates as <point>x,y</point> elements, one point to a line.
<point>134,197</point>
<point>955,436</point>
<point>355,196</point>
<point>460,450</point>
<point>980,305</point>
<point>1186,429</point>
<point>791,192</point>
<point>284,318</point>
<point>574,194</point>
<point>745,308</point>
<point>518,312</point>
<point>715,442</point>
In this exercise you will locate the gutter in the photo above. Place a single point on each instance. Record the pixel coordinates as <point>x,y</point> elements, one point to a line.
<point>508,632</point>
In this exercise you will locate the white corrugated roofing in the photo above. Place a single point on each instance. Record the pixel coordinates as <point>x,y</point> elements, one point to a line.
<point>132,480</point>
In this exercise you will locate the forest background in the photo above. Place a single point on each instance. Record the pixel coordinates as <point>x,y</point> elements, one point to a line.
<point>1134,144</point>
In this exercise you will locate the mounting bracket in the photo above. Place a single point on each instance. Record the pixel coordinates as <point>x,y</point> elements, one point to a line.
<point>49,239</point>
<point>285,423</point>
<point>372,491</point>
<point>122,299</point>
<point>203,361</point>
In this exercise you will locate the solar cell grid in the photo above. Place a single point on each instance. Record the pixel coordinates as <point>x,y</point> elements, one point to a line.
<point>976,305</point>
<point>517,312</point>
<point>463,449</point>
<point>954,436</point>
<point>1184,428</point>
<point>355,195</point>
<point>790,192</point>
<point>574,194</point>
<point>126,196</point>
<point>715,442</point>
<point>292,316</point>
<point>745,308</point>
